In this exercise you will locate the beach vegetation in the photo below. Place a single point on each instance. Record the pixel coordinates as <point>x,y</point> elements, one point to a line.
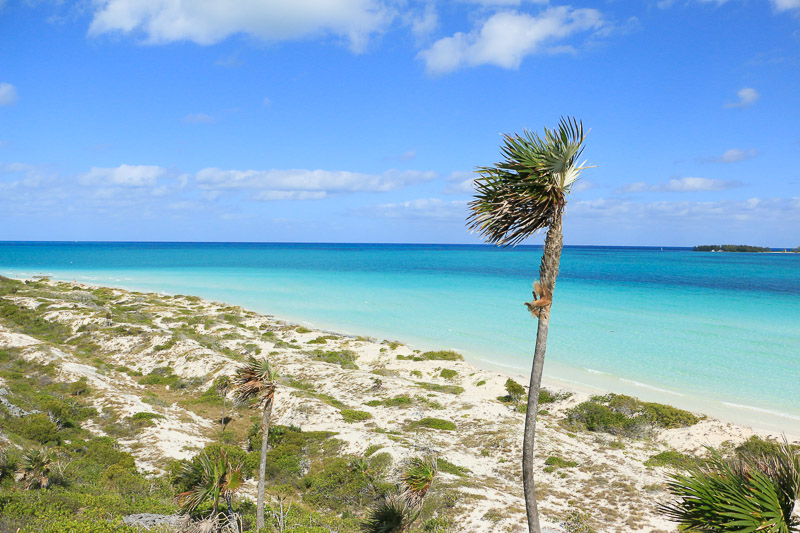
<point>344,358</point>
<point>627,416</point>
<point>397,512</point>
<point>553,463</point>
<point>671,459</point>
<point>437,387</point>
<point>302,329</point>
<point>756,446</point>
<point>435,423</point>
<point>752,493</point>
<point>372,448</point>
<point>577,521</point>
<point>481,383</point>
<point>256,381</point>
<point>450,468</point>
<point>521,195</point>
<point>516,392</point>
<point>448,373</point>
<point>352,415</point>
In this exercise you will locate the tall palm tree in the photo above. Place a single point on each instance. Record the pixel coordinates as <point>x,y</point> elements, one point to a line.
<point>517,197</point>
<point>256,381</point>
<point>222,385</point>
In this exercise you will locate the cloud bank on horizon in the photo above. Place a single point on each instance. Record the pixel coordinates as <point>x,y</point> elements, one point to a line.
<point>362,120</point>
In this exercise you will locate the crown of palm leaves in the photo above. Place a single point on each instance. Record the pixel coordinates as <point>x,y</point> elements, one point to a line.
<point>255,380</point>
<point>519,196</point>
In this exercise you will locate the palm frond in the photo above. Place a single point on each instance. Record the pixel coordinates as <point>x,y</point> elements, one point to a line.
<point>255,380</point>
<point>746,494</point>
<point>520,195</point>
<point>417,478</point>
<point>394,514</point>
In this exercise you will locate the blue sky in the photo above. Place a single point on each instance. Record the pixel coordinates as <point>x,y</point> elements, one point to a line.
<point>363,120</point>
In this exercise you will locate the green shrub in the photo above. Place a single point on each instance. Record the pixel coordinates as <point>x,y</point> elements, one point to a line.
<point>145,419</point>
<point>447,373</point>
<point>553,463</point>
<point>37,427</point>
<point>443,355</point>
<point>450,468</point>
<point>619,414</point>
<point>672,459</point>
<point>337,485</point>
<point>30,322</point>
<point>481,383</point>
<point>516,392</point>
<point>79,388</point>
<point>601,418</point>
<point>435,423</point>
<point>351,415</point>
<point>755,446</point>
<point>372,448</point>
<point>436,387</point>
<point>344,358</point>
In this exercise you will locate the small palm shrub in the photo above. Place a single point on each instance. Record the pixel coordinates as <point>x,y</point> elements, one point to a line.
<point>397,512</point>
<point>747,493</point>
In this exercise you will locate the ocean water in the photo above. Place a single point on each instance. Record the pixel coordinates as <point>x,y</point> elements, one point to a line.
<point>715,332</point>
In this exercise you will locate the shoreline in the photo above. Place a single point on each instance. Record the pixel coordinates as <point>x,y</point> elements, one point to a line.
<point>600,382</point>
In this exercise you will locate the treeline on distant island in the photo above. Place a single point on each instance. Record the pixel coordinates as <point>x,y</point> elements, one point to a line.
<point>730,248</point>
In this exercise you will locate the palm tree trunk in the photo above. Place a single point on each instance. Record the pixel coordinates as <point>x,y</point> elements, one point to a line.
<point>548,271</point>
<point>223,414</point>
<point>262,467</point>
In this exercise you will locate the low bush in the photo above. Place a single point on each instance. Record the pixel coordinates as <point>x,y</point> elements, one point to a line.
<point>435,423</point>
<point>436,387</point>
<point>448,373</point>
<point>673,459</point>
<point>344,358</point>
<point>351,415</point>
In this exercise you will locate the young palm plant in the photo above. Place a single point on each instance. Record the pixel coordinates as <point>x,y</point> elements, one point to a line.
<point>256,381</point>
<point>748,494</point>
<point>514,199</point>
<point>217,479</point>
<point>34,470</point>
<point>397,512</point>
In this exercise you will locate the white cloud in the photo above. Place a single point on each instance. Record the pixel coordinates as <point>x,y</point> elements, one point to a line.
<point>210,21</point>
<point>297,180</point>
<point>679,185</point>
<point>422,208</point>
<point>751,209</point>
<point>198,118</point>
<point>507,37</point>
<point>502,2</point>
<point>269,196</point>
<point>460,182</point>
<point>785,5</point>
<point>123,176</point>
<point>409,155</point>
<point>747,97</point>
<point>734,155</point>
<point>423,23</point>
<point>8,94</point>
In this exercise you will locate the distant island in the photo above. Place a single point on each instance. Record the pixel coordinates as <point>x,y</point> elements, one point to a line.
<point>730,248</point>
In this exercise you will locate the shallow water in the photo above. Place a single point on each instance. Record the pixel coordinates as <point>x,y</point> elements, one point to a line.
<point>718,332</point>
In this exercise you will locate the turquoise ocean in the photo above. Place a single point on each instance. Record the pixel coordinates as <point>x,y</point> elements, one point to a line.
<point>714,332</point>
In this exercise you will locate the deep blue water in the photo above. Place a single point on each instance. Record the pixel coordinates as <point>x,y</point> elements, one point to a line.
<point>715,331</point>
